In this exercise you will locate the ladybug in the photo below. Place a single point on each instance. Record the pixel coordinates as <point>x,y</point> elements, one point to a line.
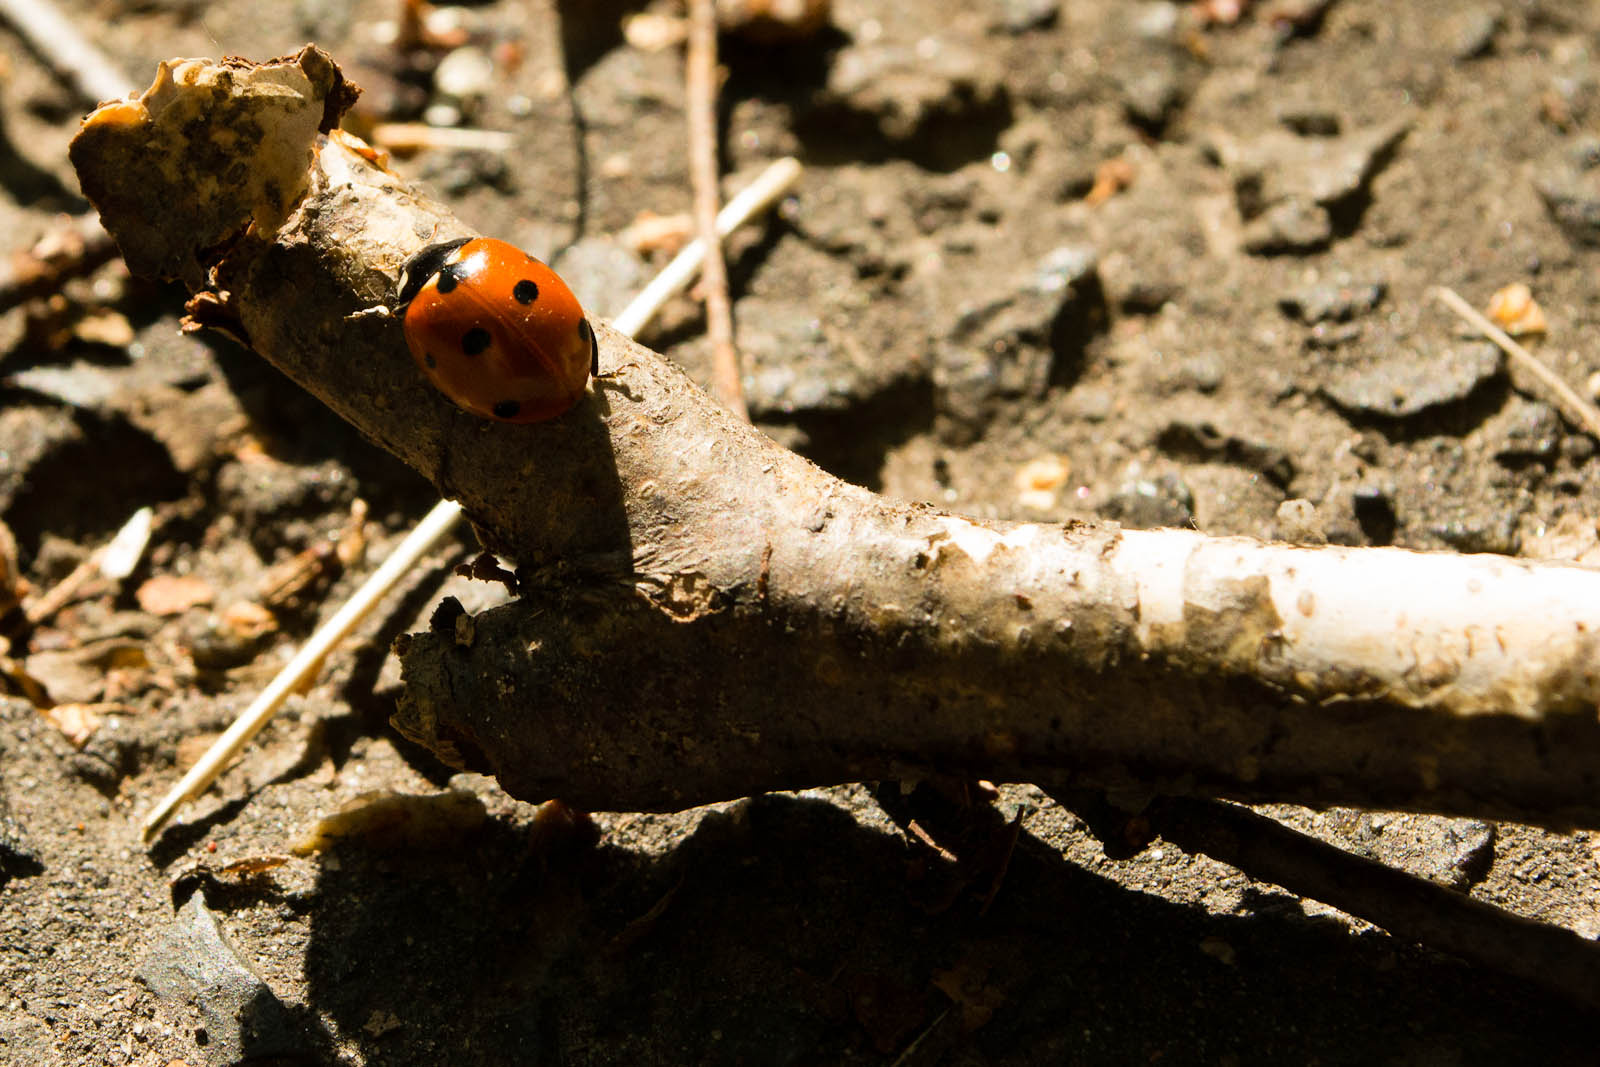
<point>496,330</point>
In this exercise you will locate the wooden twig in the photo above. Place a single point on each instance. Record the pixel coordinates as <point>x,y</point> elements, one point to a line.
<point>1581,413</point>
<point>726,384</point>
<point>55,38</point>
<point>404,137</point>
<point>116,561</point>
<point>874,640</point>
<point>1409,907</point>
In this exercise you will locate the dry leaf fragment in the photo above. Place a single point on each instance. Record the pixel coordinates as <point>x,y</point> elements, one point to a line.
<point>385,820</point>
<point>86,673</point>
<point>78,722</point>
<point>253,871</point>
<point>231,639</point>
<point>965,984</point>
<point>14,678</point>
<point>376,156</point>
<point>249,619</point>
<point>104,327</point>
<point>658,233</point>
<point>119,558</point>
<point>301,580</point>
<point>174,594</point>
<point>250,868</point>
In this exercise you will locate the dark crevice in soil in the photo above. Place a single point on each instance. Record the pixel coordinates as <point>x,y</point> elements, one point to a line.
<point>135,470</point>
<point>1455,419</point>
<point>836,135</point>
<point>590,29</point>
<point>853,443</point>
<point>1076,326</point>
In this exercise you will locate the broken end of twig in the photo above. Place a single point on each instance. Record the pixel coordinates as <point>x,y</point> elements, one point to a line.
<point>265,116</point>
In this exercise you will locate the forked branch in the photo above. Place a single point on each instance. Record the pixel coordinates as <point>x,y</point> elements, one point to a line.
<point>706,615</point>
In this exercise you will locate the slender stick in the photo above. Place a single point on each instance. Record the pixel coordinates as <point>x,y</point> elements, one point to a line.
<point>305,663</point>
<point>75,249</point>
<point>69,53</point>
<point>702,105</point>
<point>1403,904</point>
<point>115,560</point>
<point>436,524</point>
<point>1580,411</point>
<point>411,136</point>
<point>56,40</point>
<point>755,198</point>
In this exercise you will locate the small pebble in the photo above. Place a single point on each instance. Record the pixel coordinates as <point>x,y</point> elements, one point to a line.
<point>1336,301</point>
<point>1298,523</point>
<point>1021,16</point>
<point>1039,480</point>
<point>1515,311</point>
<point>466,74</point>
<point>1151,503</point>
<point>1405,382</point>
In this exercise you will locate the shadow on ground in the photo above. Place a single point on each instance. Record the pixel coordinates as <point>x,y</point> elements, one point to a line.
<point>783,931</point>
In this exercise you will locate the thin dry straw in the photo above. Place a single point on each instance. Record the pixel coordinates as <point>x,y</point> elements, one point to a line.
<point>1580,411</point>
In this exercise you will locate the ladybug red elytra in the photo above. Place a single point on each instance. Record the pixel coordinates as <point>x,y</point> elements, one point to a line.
<point>496,330</point>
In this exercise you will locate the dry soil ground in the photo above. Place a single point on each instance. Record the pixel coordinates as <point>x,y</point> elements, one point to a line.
<point>1186,263</point>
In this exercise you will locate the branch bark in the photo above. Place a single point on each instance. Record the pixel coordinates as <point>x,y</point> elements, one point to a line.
<point>706,615</point>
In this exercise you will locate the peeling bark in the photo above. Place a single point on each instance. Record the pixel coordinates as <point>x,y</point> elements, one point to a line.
<point>706,615</point>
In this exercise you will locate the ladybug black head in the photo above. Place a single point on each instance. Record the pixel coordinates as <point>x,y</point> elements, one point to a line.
<point>422,266</point>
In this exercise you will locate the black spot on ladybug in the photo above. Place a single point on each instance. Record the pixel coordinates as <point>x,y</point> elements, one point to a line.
<point>448,280</point>
<point>423,267</point>
<point>525,292</point>
<point>427,357</point>
<point>475,340</point>
<point>507,409</point>
<point>583,329</point>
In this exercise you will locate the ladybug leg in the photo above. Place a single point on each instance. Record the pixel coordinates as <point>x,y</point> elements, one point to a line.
<point>380,311</point>
<point>594,360</point>
<point>615,375</point>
